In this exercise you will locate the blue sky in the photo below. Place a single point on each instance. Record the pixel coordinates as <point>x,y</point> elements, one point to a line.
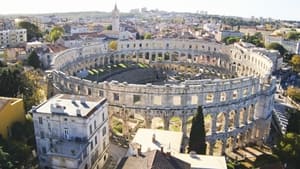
<point>278,9</point>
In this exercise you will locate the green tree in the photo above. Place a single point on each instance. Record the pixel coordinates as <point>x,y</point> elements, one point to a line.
<point>230,40</point>
<point>4,159</point>
<point>56,33</point>
<point>277,46</point>
<point>147,36</point>
<point>197,134</point>
<point>33,31</point>
<point>294,93</point>
<point>33,60</point>
<point>288,150</point>
<point>296,63</point>
<point>10,80</point>
<point>294,121</point>
<point>113,45</point>
<point>293,35</point>
<point>109,27</point>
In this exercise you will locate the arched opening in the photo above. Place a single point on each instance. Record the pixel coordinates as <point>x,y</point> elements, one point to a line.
<point>218,148</point>
<point>175,124</point>
<point>174,56</point>
<point>251,113</point>
<point>208,125</point>
<point>242,117</point>
<point>139,120</point>
<point>207,148</point>
<point>231,120</point>
<point>229,144</point>
<point>220,122</point>
<point>209,98</point>
<point>157,123</point>
<point>223,97</point>
<point>167,56</point>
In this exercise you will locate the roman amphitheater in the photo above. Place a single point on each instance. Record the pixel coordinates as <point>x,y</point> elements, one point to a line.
<point>234,84</point>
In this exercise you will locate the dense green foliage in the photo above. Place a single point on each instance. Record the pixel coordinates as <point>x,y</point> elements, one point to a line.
<point>266,159</point>
<point>33,31</point>
<point>56,33</point>
<point>147,36</point>
<point>14,82</point>
<point>113,45</point>
<point>294,93</point>
<point>294,121</point>
<point>16,151</point>
<point>295,61</point>
<point>277,46</point>
<point>10,80</point>
<point>256,39</point>
<point>230,40</point>
<point>197,134</point>
<point>293,35</point>
<point>33,60</point>
<point>109,27</point>
<point>288,150</point>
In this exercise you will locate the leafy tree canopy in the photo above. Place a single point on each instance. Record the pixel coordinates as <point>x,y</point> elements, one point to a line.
<point>33,31</point>
<point>197,134</point>
<point>147,36</point>
<point>113,45</point>
<point>56,33</point>
<point>296,63</point>
<point>33,60</point>
<point>109,27</point>
<point>277,46</point>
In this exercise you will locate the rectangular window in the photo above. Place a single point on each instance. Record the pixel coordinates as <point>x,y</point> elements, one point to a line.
<point>92,145</point>
<point>44,150</point>
<point>104,131</point>
<point>66,133</point>
<point>102,116</point>
<point>91,129</point>
<point>96,141</point>
<point>157,100</point>
<point>176,100</point>
<point>40,120</point>
<point>95,124</point>
<point>116,97</point>
<point>42,135</point>
<point>101,93</point>
<point>136,99</point>
<point>194,100</point>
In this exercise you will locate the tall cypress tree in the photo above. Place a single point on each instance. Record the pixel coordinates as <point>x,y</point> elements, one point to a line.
<point>197,135</point>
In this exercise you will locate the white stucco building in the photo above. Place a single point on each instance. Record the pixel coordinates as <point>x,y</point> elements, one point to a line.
<point>9,38</point>
<point>71,132</point>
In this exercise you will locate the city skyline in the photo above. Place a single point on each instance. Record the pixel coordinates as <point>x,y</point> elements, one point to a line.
<point>268,8</point>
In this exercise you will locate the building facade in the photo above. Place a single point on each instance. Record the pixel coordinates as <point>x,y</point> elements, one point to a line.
<point>11,111</point>
<point>11,38</point>
<point>71,132</point>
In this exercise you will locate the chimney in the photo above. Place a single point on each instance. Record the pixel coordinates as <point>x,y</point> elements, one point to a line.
<point>153,138</point>
<point>168,154</point>
<point>78,113</point>
<point>82,99</point>
<point>73,98</point>
<point>139,150</point>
